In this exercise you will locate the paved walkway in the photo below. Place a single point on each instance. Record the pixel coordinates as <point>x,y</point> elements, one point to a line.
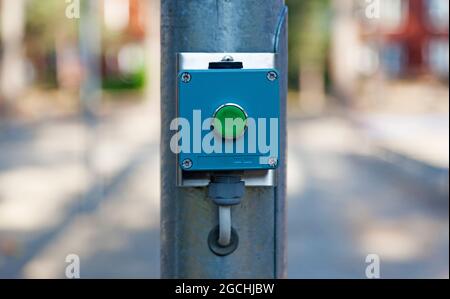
<point>344,202</point>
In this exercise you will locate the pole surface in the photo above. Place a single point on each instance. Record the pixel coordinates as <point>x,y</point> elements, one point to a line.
<point>187,214</point>
<point>90,54</point>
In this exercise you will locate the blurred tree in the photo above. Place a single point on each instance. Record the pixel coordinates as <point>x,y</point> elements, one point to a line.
<point>309,25</point>
<point>48,30</point>
<point>124,33</point>
<point>46,19</point>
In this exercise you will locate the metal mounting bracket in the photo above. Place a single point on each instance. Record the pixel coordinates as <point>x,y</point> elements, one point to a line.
<point>200,61</point>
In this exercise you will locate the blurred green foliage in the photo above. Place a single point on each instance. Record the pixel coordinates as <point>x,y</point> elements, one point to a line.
<point>309,32</point>
<point>123,82</point>
<point>309,24</point>
<point>46,22</point>
<point>47,25</point>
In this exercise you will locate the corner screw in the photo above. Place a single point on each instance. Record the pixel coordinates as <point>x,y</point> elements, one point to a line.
<point>186,77</point>
<point>186,164</point>
<point>272,76</point>
<point>273,162</point>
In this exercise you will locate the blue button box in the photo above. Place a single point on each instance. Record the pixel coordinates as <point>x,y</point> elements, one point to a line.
<point>201,93</point>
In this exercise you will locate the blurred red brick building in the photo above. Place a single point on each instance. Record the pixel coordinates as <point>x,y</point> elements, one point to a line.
<point>413,37</point>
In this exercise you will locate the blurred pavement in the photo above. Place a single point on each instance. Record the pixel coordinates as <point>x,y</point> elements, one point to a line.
<point>345,201</point>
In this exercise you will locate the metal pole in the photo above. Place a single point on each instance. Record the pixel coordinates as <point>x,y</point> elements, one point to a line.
<point>91,91</point>
<point>187,214</point>
<point>90,52</point>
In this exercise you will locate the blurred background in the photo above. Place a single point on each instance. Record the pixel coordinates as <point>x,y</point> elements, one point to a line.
<point>368,129</point>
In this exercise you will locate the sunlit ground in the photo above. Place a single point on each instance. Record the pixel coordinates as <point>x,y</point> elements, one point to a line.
<point>93,190</point>
<point>57,198</point>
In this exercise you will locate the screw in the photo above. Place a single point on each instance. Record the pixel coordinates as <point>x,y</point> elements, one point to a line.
<point>186,77</point>
<point>227,58</point>
<point>272,76</point>
<point>186,164</point>
<point>272,162</point>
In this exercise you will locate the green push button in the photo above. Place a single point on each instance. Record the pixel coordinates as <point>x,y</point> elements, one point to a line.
<point>230,121</point>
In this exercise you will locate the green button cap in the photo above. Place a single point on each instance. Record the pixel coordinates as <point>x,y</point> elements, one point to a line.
<point>230,121</point>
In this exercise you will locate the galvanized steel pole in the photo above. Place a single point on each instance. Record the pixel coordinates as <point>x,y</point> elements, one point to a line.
<point>187,214</point>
